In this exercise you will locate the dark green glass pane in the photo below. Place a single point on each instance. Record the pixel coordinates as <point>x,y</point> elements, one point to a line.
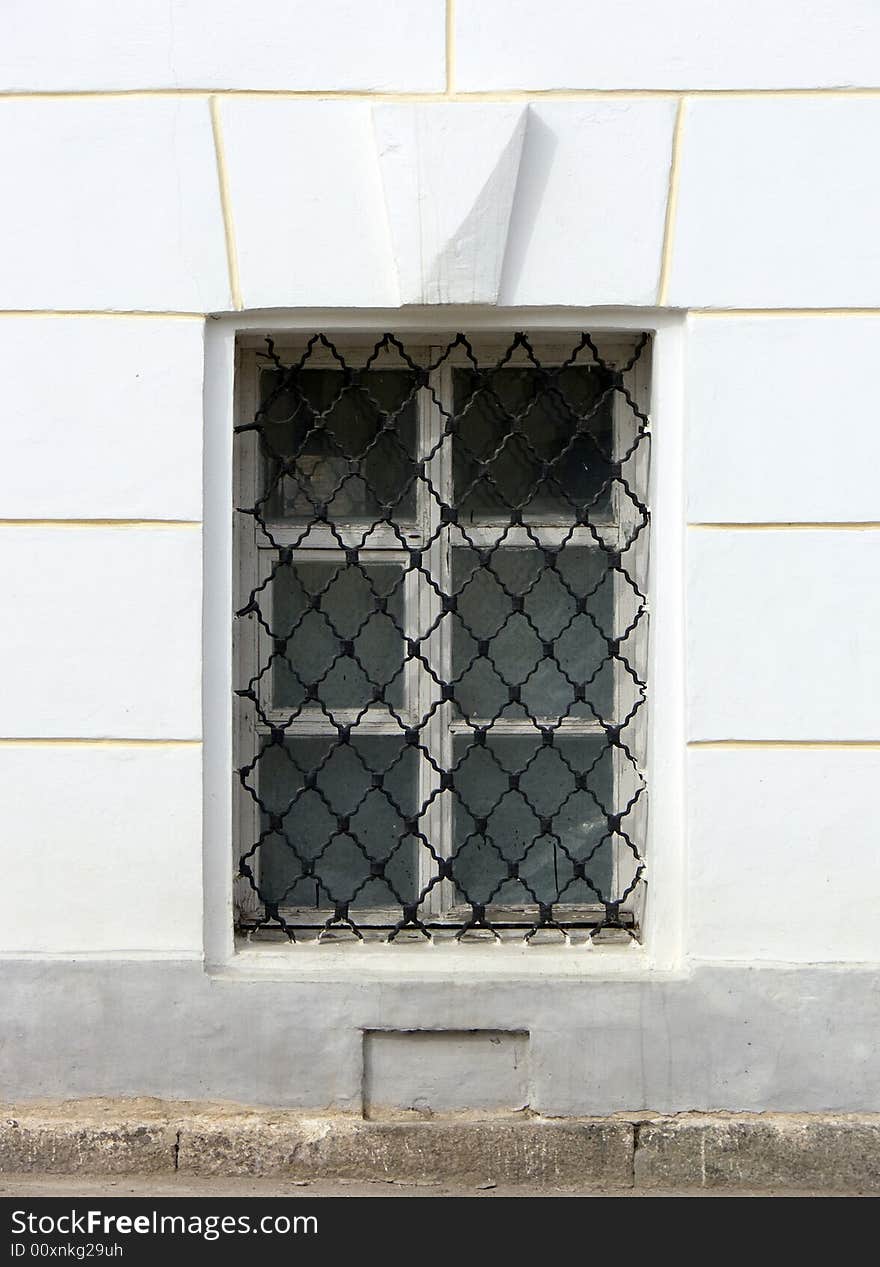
<point>311,832</point>
<point>515,654</point>
<point>572,829</point>
<point>345,457</point>
<point>316,607</point>
<point>509,423</point>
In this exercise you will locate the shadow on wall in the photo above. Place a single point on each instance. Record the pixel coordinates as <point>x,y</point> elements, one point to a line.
<point>538,150</point>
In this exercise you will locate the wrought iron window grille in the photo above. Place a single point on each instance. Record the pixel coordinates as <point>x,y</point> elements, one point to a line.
<point>441,638</point>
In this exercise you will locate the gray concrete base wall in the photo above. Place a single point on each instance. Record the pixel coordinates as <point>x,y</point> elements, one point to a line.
<point>755,1040</point>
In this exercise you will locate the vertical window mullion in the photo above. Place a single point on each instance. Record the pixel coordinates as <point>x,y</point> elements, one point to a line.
<point>619,443</point>
<point>435,448</point>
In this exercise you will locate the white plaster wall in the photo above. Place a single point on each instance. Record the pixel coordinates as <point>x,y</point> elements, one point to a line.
<point>89,45</point>
<point>306,202</point>
<point>102,624</point>
<point>589,213</point>
<point>671,44</point>
<point>102,841</point>
<point>777,204</point>
<point>782,635</point>
<point>781,425</point>
<point>116,205</point>
<point>153,172</point>
<point>788,838</point>
<point>102,418</point>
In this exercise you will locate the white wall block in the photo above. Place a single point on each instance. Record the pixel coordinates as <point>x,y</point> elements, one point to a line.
<point>307,205</point>
<point>269,44</point>
<point>105,848</point>
<point>778,204</point>
<point>782,854</point>
<point>782,634</point>
<point>676,44</point>
<point>779,428</point>
<point>449,174</point>
<point>111,204</point>
<point>101,632</point>
<point>102,417</point>
<point>590,205</point>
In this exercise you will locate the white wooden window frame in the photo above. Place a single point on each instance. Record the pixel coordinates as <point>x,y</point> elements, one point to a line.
<point>253,561</point>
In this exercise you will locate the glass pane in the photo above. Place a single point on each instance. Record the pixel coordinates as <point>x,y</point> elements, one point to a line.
<point>543,824</point>
<point>511,422</point>
<point>545,651</point>
<point>316,608</point>
<point>352,448</point>
<point>350,820</point>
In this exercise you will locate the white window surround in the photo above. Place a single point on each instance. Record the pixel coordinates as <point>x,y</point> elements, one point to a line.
<point>661,945</point>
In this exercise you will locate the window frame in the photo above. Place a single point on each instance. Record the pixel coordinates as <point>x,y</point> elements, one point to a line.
<point>254,566</point>
<point>662,949</point>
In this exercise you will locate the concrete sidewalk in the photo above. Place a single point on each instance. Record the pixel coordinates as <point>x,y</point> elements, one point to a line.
<point>182,1186</point>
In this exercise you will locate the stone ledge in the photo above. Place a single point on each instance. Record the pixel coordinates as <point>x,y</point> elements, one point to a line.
<point>597,1152</point>
<point>834,1152</point>
<point>816,1152</point>
<point>47,1141</point>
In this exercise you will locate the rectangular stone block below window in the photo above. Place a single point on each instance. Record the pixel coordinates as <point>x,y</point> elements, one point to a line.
<point>425,1072</point>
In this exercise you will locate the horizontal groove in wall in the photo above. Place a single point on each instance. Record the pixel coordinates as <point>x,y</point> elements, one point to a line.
<point>823,525</point>
<point>783,743</point>
<point>713,313</point>
<point>509,94</point>
<point>122,956</point>
<point>101,312</point>
<point>40,742</point>
<point>783,312</point>
<point>100,523</point>
<point>37,741</point>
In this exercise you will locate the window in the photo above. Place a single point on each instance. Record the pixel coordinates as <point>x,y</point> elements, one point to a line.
<point>441,636</point>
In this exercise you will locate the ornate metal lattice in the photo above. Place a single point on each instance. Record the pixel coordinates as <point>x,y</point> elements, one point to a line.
<point>441,638</point>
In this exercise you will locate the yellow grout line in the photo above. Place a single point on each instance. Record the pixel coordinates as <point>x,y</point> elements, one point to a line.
<point>671,205</point>
<point>450,48</point>
<point>86,312</point>
<point>783,743</point>
<point>226,204</point>
<point>700,313</point>
<point>512,94</point>
<point>783,312</point>
<point>824,525</point>
<point>40,741</point>
<point>99,743</point>
<point>564,94</point>
<point>100,523</point>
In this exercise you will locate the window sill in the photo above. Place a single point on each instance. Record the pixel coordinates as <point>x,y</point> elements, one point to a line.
<point>430,962</point>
